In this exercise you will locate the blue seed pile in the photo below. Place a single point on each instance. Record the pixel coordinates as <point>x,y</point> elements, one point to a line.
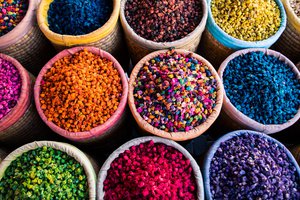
<point>262,87</point>
<point>78,17</point>
<point>251,167</point>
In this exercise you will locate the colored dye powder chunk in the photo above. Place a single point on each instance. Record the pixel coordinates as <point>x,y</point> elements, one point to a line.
<point>10,87</point>
<point>163,21</point>
<point>251,167</point>
<point>150,171</point>
<point>175,92</point>
<point>262,87</point>
<point>249,20</point>
<point>81,91</point>
<point>78,17</point>
<point>11,13</point>
<point>295,5</point>
<point>44,173</point>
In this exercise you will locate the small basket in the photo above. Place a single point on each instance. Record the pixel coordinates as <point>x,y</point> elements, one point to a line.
<point>177,136</point>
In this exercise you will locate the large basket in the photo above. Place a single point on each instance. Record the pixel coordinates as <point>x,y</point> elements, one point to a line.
<point>140,47</point>
<point>177,136</point>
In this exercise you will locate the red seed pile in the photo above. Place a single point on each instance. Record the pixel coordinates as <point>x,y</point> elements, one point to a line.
<point>161,20</point>
<point>150,171</point>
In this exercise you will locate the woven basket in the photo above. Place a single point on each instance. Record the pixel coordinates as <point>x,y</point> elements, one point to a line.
<point>298,65</point>
<point>102,132</point>
<point>140,47</point>
<point>216,44</point>
<point>177,136</point>
<point>22,124</point>
<point>109,37</point>
<point>210,154</point>
<point>64,147</point>
<point>232,117</point>
<point>289,42</point>
<point>105,167</point>
<point>296,153</point>
<point>27,43</point>
<point>3,154</point>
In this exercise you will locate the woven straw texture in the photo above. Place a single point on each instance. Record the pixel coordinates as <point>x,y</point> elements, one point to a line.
<point>26,42</point>
<point>22,124</point>
<point>213,149</point>
<point>109,37</point>
<point>105,167</point>
<point>67,148</point>
<point>232,117</point>
<point>99,133</point>
<point>289,42</point>
<point>213,50</point>
<point>177,136</point>
<point>139,47</point>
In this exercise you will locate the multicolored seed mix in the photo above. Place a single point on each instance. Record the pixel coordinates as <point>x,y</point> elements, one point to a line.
<point>295,5</point>
<point>163,21</point>
<point>10,87</point>
<point>44,173</point>
<point>252,167</point>
<point>175,92</point>
<point>11,13</point>
<point>249,20</point>
<point>78,17</point>
<point>262,87</point>
<point>150,171</point>
<point>81,91</point>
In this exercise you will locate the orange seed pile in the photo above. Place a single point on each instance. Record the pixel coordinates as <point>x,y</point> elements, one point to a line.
<point>81,91</point>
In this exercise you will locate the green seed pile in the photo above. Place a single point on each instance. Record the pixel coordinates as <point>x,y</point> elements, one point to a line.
<point>44,173</point>
<point>295,5</point>
<point>248,20</point>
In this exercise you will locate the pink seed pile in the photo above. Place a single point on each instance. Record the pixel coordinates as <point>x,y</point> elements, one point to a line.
<point>10,87</point>
<point>150,171</point>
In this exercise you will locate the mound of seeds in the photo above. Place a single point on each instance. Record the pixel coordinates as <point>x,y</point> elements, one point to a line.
<point>44,173</point>
<point>249,20</point>
<point>10,87</point>
<point>81,91</point>
<point>252,167</point>
<point>262,87</point>
<point>11,13</point>
<point>295,5</point>
<point>163,21</point>
<point>175,92</point>
<point>78,17</point>
<point>150,171</point>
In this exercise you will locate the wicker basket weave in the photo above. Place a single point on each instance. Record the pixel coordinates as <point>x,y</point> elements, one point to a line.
<point>26,42</point>
<point>22,124</point>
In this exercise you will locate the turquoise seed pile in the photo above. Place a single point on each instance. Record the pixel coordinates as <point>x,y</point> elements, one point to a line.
<point>44,173</point>
<point>175,92</point>
<point>11,13</point>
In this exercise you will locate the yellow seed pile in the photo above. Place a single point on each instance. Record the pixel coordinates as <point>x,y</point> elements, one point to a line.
<point>248,20</point>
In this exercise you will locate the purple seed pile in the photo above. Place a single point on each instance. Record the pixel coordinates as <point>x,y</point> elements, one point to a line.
<point>10,87</point>
<point>161,20</point>
<point>175,92</point>
<point>250,166</point>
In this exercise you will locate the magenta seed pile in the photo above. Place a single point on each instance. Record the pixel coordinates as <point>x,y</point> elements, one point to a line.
<point>150,171</point>
<point>10,87</point>
<point>11,13</point>
<point>175,92</point>
<point>161,20</point>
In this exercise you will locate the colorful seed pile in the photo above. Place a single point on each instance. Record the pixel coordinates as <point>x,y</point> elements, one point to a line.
<point>163,21</point>
<point>175,92</point>
<point>81,91</point>
<point>10,87</point>
<point>78,17</point>
<point>249,20</point>
<point>252,167</point>
<point>44,173</point>
<point>11,13</point>
<point>262,87</point>
<point>295,5</point>
<point>150,171</point>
